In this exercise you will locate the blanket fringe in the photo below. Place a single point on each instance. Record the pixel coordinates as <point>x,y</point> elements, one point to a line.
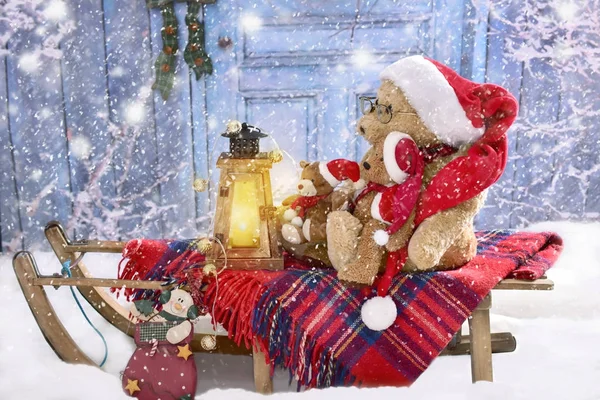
<point>231,301</point>
<point>287,345</point>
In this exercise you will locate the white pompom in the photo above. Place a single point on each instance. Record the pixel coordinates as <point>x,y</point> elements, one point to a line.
<point>289,214</point>
<point>381,237</point>
<point>360,184</point>
<point>379,313</point>
<point>297,221</point>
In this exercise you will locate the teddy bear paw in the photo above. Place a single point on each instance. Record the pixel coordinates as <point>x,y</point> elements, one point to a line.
<point>297,221</point>
<point>289,214</point>
<point>424,258</point>
<point>291,234</point>
<point>355,275</point>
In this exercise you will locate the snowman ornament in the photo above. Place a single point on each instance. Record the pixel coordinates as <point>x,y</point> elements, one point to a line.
<point>162,366</point>
<point>177,306</point>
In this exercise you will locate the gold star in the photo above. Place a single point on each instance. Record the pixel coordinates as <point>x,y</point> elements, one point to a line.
<point>184,351</point>
<point>132,386</point>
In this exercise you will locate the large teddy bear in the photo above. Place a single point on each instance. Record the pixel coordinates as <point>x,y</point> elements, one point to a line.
<point>428,126</point>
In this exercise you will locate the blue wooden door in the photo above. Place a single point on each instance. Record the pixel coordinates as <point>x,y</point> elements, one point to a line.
<point>298,67</point>
<point>85,140</point>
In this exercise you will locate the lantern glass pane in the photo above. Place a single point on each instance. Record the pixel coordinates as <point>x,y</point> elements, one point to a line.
<point>244,228</point>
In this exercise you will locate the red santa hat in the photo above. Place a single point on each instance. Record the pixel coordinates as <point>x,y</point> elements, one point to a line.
<point>404,163</point>
<point>452,107</point>
<point>336,171</point>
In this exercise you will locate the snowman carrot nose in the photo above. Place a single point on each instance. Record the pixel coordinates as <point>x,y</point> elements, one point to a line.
<point>178,306</point>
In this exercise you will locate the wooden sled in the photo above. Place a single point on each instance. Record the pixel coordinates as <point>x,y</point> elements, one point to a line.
<point>480,344</point>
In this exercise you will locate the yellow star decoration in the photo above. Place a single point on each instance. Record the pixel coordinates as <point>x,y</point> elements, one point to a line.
<point>132,386</point>
<point>184,351</point>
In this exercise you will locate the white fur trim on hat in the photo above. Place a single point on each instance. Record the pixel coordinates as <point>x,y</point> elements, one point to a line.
<point>375,213</point>
<point>428,91</point>
<point>389,156</point>
<point>381,237</point>
<point>379,313</point>
<point>332,180</point>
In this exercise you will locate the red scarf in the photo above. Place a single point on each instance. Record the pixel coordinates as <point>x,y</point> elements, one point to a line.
<point>306,202</point>
<point>460,180</point>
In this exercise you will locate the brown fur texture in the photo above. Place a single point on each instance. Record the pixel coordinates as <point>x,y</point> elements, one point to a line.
<point>314,223</point>
<point>443,241</point>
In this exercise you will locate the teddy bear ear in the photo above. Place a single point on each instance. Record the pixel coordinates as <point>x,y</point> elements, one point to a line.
<point>304,164</point>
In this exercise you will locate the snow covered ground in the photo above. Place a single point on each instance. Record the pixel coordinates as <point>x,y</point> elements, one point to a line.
<point>557,356</point>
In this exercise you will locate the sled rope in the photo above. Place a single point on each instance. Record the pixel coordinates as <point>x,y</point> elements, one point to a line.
<point>66,270</point>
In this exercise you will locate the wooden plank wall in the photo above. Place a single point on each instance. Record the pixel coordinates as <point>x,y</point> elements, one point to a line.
<point>99,92</point>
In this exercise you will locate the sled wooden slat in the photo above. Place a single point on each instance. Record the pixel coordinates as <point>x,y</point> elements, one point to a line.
<point>53,330</point>
<point>101,300</point>
<point>99,282</point>
<point>98,298</point>
<point>502,342</point>
<point>515,284</point>
<point>95,246</point>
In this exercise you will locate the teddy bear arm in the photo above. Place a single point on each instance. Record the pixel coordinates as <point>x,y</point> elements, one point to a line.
<point>362,211</point>
<point>400,238</point>
<point>437,233</point>
<point>369,257</point>
<point>343,231</point>
<point>340,200</point>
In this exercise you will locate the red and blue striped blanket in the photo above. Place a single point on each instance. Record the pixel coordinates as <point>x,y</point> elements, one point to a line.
<point>307,321</point>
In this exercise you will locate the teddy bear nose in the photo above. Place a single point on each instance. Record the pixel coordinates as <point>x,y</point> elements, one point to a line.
<point>300,187</point>
<point>367,165</point>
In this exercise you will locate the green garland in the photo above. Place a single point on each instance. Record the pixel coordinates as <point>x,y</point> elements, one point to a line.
<point>194,55</point>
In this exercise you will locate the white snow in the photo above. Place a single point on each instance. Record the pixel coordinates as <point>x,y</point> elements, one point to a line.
<point>251,22</point>
<point>556,358</point>
<point>135,113</point>
<point>29,62</point>
<point>56,10</point>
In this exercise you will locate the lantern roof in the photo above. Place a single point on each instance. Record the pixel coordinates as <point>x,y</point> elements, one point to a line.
<point>244,131</point>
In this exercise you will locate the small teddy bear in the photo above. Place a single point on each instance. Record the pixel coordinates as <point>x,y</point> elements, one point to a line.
<point>382,217</point>
<point>307,216</point>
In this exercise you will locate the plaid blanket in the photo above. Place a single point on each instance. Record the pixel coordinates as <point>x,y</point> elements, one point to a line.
<point>304,319</point>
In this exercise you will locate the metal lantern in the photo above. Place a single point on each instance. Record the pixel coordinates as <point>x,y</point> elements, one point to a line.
<point>245,216</point>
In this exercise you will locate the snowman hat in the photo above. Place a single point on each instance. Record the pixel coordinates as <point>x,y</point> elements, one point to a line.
<point>448,104</point>
<point>336,171</point>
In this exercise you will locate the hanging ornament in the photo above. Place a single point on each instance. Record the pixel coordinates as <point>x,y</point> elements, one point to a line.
<point>234,126</point>
<point>204,245</point>
<point>208,342</point>
<point>275,156</point>
<point>194,54</point>
<point>200,185</point>
<point>209,269</point>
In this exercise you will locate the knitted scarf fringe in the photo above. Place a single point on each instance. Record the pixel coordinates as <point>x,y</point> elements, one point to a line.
<point>287,345</point>
<point>177,269</point>
<point>234,297</point>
